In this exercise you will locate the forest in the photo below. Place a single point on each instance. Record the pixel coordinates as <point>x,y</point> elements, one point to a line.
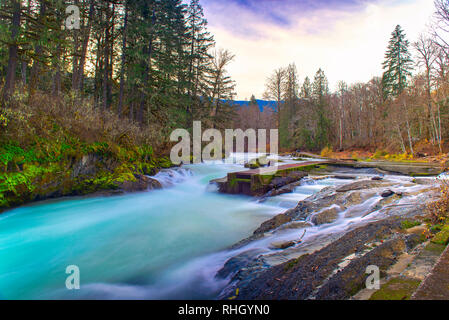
<point>116,77</point>
<point>406,109</point>
<point>112,78</point>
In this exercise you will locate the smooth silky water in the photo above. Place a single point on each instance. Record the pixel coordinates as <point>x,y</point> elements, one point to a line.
<point>165,244</point>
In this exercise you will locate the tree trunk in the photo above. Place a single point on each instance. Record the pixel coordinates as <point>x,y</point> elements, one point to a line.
<point>106,63</point>
<point>401,139</point>
<point>75,61</point>
<point>147,66</point>
<point>80,72</point>
<point>13,52</point>
<point>35,69</point>
<point>122,71</point>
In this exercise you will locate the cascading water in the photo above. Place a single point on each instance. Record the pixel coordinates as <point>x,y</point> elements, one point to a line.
<point>170,177</point>
<point>163,244</point>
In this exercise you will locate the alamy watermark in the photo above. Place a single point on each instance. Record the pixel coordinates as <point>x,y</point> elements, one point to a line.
<point>373,280</point>
<point>256,140</point>
<point>72,282</point>
<point>72,22</point>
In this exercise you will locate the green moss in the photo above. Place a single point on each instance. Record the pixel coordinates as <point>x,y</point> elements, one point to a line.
<point>442,237</point>
<point>234,182</point>
<point>435,248</point>
<point>396,289</point>
<point>290,264</point>
<point>355,287</point>
<point>45,167</point>
<point>422,174</point>
<point>407,224</point>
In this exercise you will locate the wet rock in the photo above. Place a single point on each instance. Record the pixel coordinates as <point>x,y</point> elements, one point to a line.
<point>285,189</point>
<point>377,178</point>
<point>296,225</point>
<point>353,277</point>
<point>344,177</point>
<point>353,198</point>
<point>220,183</point>
<point>238,262</point>
<point>282,244</point>
<point>326,216</point>
<point>142,183</point>
<point>294,176</point>
<point>359,185</point>
<point>299,278</point>
<point>273,223</point>
<point>387,193</point>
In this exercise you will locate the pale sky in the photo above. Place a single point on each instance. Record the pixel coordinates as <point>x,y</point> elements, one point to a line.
<point>346,38</point>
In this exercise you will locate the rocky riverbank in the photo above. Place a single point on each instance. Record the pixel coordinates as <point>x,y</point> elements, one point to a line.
<point>92,173</point>
<point>321,248</point>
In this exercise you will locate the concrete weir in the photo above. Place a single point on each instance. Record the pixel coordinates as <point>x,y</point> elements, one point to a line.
<point>257,182</point>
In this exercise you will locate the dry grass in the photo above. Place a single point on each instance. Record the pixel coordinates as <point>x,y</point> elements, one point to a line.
<point>439,210</point>
<point>45,116</point>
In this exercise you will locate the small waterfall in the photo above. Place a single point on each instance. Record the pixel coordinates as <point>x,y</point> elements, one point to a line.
<point>170,177</point>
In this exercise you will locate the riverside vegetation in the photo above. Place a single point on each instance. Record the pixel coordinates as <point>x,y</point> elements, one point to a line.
<point>53,148</point>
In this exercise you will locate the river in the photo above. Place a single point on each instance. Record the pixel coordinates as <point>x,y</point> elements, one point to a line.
<point>164,244</point>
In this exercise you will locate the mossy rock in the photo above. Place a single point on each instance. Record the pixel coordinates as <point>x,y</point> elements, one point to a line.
<point>442,237</point>
<point>396,289</point>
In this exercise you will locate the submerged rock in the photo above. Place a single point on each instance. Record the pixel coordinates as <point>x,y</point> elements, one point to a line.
<point>273,223</point>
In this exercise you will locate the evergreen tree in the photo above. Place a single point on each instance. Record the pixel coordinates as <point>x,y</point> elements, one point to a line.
<point>397,64</point>
<point>320,99</point>
<point>200,43</point>
<point>306,89</point>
